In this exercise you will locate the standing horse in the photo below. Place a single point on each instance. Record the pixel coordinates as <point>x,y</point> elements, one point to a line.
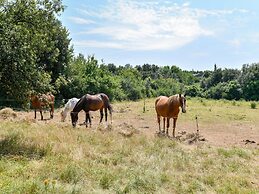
<point>91,103</point>
<point>168,107</point>
<point>41,101</point>
<point>71,103</point>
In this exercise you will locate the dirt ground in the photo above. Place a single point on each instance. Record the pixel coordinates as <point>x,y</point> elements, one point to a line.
<point>130,119</point>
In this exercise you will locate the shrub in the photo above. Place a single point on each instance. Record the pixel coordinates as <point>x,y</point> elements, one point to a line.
<point>253,105</point>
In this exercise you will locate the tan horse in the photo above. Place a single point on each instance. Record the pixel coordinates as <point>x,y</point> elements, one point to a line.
<point>168,107</point>
<point>41,101</point>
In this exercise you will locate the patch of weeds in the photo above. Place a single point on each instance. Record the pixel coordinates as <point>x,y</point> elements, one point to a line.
<point>208,163</point>
<point>233,152</point>
<point>164,178</point>
<point>210,180</point>
<point>181,161</point>
<point>228,187</point>
<point>194,187</point>
<point>106,181</point>
<point>116,159</point>
<point>31,187</point>
<point>141,185</point>
<point>71,174</point>
<point>15,144</point>
<point>159,144</point>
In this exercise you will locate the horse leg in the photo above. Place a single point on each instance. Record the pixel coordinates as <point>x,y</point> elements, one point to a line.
<point>158,121</point>
<point>174,126</point>
<point>167,125</point>
<point>51,111</point>
<point>41,114</point>
<point>101,114</point>
<point>34,113</point>
<point>163,125</point>
<point>105,112</point>
<point>87,117</point>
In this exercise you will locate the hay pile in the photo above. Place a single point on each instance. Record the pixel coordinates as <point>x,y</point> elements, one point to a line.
<point>6,113</point>
<point>190,138</point>
<point>127,130</point>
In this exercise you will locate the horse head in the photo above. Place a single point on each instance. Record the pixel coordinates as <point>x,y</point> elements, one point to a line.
<point>74,118</point>
<point>183,102</point>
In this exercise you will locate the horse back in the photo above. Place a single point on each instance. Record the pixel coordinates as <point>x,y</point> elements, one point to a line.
<point>94,102</point>
<point>166,108</point>
<point>39,101</point>
<point>71,103</point>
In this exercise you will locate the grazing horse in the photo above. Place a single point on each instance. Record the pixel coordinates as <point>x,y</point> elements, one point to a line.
<point>168,107</point>
<point>91,103</point>
<point>68,107</point>
<point>41,101</point>
<point>71,103</point>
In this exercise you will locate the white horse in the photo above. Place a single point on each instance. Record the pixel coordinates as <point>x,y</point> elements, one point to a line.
<point>68,107</point>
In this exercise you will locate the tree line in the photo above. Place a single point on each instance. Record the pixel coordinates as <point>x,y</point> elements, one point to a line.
<point>36,56</point>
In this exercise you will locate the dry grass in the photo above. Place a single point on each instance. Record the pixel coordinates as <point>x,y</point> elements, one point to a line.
<point>127,156</point>
<point>7,113</point>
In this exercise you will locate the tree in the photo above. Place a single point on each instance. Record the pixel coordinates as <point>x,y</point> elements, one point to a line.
<point>249,81</point>
<point>193,90</point>
<point>86,76</point>
<point>131,83</point>
<point>233,90</point>
<point>34,46</point>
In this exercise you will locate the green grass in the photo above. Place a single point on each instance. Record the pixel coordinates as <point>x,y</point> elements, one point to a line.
<point>55,158</point>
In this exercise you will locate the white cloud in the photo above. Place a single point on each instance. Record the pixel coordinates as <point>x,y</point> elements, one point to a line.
<point>98,44</point>
<point>134,25</point>
<point>79,20</point>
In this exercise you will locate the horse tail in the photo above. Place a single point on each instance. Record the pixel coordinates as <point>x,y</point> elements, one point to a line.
<point>110,110</point>
<point>107,103</point>
<point>51,103</point>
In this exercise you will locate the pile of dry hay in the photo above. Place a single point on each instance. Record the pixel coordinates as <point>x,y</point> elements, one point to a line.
<point>7,113</point>
<point>127,130</point>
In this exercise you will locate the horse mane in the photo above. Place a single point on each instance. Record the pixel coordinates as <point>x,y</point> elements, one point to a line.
<point>80,104</point>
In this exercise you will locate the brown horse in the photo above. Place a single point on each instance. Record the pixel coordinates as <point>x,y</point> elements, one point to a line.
<point>168,107</point>
<point>41,101</point>
<point>91,103</point>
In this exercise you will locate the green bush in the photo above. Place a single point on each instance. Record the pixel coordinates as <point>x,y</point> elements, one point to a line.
<point>253,105</point>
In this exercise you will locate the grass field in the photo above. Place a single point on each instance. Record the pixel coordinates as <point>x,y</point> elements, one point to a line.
<point>128,157</point>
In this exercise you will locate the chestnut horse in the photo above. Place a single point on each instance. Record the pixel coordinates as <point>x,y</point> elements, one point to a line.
<point>168,107</point>
<point>41,101</point>
<point>91,103</point>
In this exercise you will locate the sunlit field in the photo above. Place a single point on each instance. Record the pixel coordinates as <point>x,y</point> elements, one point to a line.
<point>127,156</point>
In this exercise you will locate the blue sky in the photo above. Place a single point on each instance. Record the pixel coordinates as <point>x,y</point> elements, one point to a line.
<point>194,34</point>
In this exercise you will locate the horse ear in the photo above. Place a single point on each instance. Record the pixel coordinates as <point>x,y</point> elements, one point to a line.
<point>180,95</point>
<point>184,95</point>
